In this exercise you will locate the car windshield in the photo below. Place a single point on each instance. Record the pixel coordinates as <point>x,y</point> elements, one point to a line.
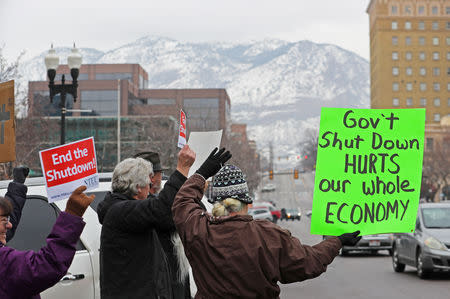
<point>436,217</point>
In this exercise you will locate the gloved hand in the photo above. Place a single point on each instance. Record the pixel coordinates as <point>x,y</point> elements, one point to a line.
<point>78,202</point>
<point>213,163</point>
<point>350,239</point>
<point>20,173</point>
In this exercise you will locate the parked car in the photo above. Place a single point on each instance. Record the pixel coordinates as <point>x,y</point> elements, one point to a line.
<point>268,188</point>
<point>371,243</point>
<point>38,218</point>
<point>291,214</point>
<point>428,248</point>
<point>260,213</point>
<point>276,213</point>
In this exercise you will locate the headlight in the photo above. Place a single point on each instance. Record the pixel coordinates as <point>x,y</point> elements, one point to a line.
<point>299,214</point>
<point>434,243</point>
<point>289,214</point>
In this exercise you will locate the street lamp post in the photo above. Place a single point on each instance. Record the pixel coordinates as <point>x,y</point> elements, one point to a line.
<point>51,62</point>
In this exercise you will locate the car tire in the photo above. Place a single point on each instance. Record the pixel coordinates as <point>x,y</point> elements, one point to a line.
<point>398,267</point>
<point>344,252</point>
<point>421,272</point>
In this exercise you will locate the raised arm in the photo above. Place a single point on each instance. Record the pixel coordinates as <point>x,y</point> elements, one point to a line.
<point>17,195</point>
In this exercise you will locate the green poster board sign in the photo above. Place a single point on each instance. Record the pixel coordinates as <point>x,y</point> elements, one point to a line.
<point>368,171</point>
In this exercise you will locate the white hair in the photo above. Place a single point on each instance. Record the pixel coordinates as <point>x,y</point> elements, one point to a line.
<point>130,174</point>
<point>227,206</point>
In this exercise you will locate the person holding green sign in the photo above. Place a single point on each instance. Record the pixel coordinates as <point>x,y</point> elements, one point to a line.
<point>231,254</point>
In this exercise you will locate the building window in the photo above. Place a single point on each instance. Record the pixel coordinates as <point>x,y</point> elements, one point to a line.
<point>394,9</point>
<point>437,117</point>
<point>113,76</point>
<point>394,55</point>
<point>408,9</point>
<point>395,102</point>
<point>437,102</point>
<point>409,102</point>
<point>408,25</point>
<point>421,10</point>
<point>447,10</point>
<point>408,71</point>
<point>448,102</point>
<point>101,102</point>
<point>436,86</point>
<point>435,25</point>
<point>394,41</point>
<point>436,71</point>
<point>395,71</point>
<point>422,56</point>
<point>435,41</point>
<point>423,86</point>
<point>422,71</point>
<point>429,144</point>
<point>409,86</point>
<point>408,41</point>
<point>448,55</point>
<point>421,40</point>
<point>395,86</point>
<point>435,55</point>
<point>448,86</point>
<point>448,26</point>
<point>421,25</point>
<point>448,71</point>
<point>408,55</point>
<point>434,10</point>
<point>447,40</point>
<point>203,113</point>
<point>423,102</point>
<point>394,25</point>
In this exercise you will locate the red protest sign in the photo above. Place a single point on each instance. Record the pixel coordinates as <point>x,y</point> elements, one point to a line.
<point>69,162</point>
<point>182,134</point>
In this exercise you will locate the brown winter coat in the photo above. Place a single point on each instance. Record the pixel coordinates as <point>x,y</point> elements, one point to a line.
<point>238,257</point>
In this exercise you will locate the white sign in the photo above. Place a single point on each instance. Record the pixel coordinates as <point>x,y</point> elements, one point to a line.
<point>202,143</point>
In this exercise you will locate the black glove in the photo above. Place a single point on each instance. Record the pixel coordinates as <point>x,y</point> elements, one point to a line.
<point>213,163</point>
<point>350,239</point>
<point>20,173</point>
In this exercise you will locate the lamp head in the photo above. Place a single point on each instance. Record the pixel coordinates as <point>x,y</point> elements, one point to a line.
<point>51,59</point>
<point>75,59</point>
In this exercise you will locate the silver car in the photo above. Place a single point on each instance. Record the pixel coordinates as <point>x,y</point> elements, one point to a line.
<point>260,213</point>
<point>428,248</point>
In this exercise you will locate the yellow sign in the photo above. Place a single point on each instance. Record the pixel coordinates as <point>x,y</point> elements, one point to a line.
<point>7,127</point>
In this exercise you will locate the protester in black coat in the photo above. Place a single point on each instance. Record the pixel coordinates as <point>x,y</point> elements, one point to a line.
<point>17,195</point>
<point>170,240</point>
<point>132,261</point>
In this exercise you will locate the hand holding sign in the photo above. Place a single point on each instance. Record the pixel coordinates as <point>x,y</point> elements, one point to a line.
<point>186,158</point>
<point>78,202</point>
<point>214,163</point>
<point>350,239</point>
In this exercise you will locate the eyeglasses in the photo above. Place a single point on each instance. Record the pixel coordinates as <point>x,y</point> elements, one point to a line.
<point>5,220</point>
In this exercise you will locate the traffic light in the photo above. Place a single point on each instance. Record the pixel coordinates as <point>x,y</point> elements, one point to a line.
<point>296,174</point>
<point>271,174</point>
<point>306,157</point>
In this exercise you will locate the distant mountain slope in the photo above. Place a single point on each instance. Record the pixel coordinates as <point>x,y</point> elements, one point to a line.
<point>276,87</point>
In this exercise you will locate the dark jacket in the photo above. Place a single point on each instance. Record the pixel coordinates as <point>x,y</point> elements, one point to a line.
<point>25,274</point>
<point>17,195</point>
<point>238,257</point>
<point>132,261</point>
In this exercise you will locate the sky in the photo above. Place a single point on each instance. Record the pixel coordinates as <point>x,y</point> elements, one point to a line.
<point>32,25</point>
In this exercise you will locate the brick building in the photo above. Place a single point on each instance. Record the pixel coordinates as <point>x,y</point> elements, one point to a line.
<point>100,85</point>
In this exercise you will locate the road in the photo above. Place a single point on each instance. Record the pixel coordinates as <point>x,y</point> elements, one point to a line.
<point>357,276</point>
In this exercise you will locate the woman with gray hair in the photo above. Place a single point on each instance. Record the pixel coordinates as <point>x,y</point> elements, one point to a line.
<point>133,263</point>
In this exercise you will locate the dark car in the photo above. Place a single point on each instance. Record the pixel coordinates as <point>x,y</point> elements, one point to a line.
<point>370,243</point>
<point>428,248</point>
<point>291,214</point>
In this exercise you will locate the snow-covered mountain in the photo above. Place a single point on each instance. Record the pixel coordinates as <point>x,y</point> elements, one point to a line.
<point>276,87</point>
